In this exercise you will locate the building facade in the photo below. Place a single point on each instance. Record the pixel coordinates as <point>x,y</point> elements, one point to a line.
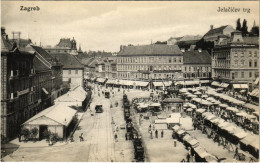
<point>213,34</point>
<point>66,45</point>
<point>110,68</point>
<point>53,64</point>
<point>154,61</point>
<point>17,73</point>
<point>236,61</point>
<point>73,70</point>
<point>196,64</point>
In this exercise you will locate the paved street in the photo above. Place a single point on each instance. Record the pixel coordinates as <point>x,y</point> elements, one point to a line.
<point>99,144</point>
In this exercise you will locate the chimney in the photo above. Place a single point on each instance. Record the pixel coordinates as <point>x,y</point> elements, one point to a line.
<point>211,27</point>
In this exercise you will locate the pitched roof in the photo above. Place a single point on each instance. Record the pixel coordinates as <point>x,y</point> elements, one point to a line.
<point>52,60</point>
<point>39,65</point>
<point>69,61</point>
<point>59,113</point>
<point>154,49</point>
<point>5,44</point>
<point>195,57</point>
<point>87,61</point>
<point>215,30</point>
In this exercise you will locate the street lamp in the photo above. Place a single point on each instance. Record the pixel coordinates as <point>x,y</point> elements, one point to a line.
<point>127,80</point>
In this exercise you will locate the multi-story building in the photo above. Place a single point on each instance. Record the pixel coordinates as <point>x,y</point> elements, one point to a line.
<point>64,46</point>
<point>100,68</point>
<point>17,75</point>
<point>42,87</point>
<point>236,61</point>
<point>73,70</point>
<point>196,64</point>
<point>110,68</point>
<point>213,34</point>
<point>156,61</point>
<point>53,64</point>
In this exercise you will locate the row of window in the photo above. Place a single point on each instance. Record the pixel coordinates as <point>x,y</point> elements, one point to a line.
<point>157,59</point>
<point>235,75</point>
<point>197,68</point>
<point>146,67</point>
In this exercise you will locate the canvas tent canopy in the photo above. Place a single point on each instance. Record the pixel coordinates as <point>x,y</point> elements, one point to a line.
<point>251,106</point>
<point>240,86</point>
<point>74,97</point>
<point>254,93</point>
<point>158,84</point>
<point>176,128</point>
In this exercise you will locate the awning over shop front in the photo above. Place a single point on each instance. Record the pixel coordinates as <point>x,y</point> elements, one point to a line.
<point>141,83</point>
<point>240,86</point>
<point>204,81</point>
<point>111,81</point>
<point>100,80</point>
<point>173,100</point>
<point>167,83</point>
<point>158,84</point>
<point>254,93</point>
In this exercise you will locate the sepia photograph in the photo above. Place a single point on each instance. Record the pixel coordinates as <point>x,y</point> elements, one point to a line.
<point>129,81</point>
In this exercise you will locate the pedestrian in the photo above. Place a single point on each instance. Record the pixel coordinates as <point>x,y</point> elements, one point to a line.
<point>236,152</point>
<point>125,136</point>
<point>151,134</point>
<point>116,137</point>
<point>156,133</point>
<point>19,137</point>
<point>162,134</point>
<point>188,157</point>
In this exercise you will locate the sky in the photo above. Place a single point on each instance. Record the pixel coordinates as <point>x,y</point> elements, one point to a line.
<point>107,25</point>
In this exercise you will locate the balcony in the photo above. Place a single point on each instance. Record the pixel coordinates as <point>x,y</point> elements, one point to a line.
<point>23,92</point>
<point>14,96</point>
<point>14,74</point>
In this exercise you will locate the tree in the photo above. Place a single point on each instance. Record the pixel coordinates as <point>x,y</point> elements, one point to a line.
<point>244,28</point>
<point>34,132</point>
<point>255,31</point>
<point>238,25</point>
<point>25,132</point>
